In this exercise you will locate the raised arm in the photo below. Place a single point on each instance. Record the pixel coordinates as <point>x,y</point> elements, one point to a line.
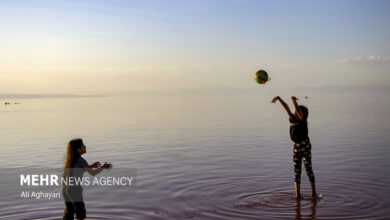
<point>277,98</point>
<point>297,109</point>
<point>93,172</point>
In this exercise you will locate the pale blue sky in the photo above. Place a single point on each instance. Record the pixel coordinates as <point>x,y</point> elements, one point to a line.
<point>90,47</point>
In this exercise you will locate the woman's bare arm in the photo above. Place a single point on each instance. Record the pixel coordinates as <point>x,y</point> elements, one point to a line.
<point>285,106</point>
<point>93,172</point>
<point>297,109</point>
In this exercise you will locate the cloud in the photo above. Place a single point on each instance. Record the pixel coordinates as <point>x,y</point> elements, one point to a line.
<point>367,60</point>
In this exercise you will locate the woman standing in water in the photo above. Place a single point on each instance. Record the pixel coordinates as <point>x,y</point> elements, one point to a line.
<point>302,146</point>
<point>74,167</point>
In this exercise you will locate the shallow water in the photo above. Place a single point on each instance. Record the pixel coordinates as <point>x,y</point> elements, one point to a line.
<point>209,157</point>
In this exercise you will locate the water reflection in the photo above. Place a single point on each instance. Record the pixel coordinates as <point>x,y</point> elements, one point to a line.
<point>298,208</point>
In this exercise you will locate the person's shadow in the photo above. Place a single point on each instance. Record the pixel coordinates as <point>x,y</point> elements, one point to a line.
<point>298,215</point>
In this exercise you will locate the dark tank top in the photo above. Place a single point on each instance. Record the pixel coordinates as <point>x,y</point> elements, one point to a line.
<point>298,129</point>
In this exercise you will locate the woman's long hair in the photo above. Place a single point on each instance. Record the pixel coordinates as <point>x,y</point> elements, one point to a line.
<point>72,154</point>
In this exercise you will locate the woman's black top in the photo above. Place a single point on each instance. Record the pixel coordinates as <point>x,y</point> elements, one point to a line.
<point>298,129</point>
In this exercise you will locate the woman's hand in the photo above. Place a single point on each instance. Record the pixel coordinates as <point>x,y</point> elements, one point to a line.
<point>106,166</point>
<point>95,165</point>
<point>276,98</point>
<point>294,98</point>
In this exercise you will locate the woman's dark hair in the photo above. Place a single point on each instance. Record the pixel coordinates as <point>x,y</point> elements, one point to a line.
<point>305,111</point>
<point>72,154</point>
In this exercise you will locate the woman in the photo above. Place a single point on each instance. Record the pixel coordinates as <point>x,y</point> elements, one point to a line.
<point>74,167</point>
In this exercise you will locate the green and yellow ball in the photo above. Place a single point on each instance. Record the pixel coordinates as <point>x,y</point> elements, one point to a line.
<point>261,77</point>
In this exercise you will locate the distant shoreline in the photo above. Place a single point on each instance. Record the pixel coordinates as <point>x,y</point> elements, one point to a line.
<point>32,96</point>
<point>213,91</point>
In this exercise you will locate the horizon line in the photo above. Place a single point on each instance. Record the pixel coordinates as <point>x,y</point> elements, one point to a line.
<point>204,91</point>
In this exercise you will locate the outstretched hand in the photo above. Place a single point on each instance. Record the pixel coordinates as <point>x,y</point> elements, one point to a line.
<point>294,98</point>
<point>106,166</point>
<point>276,98</point>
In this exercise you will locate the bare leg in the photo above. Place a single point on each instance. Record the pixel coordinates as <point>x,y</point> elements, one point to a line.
<point>313,190</point>
<point>297,190</point>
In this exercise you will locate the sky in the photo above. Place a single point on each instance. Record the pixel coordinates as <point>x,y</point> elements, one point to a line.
<point>97,47</point>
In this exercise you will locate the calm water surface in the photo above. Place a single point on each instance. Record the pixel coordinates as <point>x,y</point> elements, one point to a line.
<point>209,157</point>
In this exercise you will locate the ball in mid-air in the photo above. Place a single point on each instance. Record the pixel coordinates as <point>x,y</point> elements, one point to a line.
<point>261,77</point>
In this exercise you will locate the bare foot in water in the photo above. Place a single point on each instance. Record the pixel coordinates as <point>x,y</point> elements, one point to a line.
<point>316,197</point>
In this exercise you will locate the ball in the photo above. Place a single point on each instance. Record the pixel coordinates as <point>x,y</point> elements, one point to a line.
<point>261,77</point>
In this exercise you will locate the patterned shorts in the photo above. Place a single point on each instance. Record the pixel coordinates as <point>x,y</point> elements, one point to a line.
<point>302,151</point>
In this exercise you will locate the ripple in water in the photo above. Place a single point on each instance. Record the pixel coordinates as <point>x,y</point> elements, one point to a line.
<point>352,196</point>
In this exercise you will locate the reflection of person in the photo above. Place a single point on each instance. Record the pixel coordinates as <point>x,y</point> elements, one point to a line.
<point>302,147</point>
<point>298,215</point>
<point>75,166</point>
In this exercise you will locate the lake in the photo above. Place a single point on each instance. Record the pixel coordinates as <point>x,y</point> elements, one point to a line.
<point>208,156</point>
